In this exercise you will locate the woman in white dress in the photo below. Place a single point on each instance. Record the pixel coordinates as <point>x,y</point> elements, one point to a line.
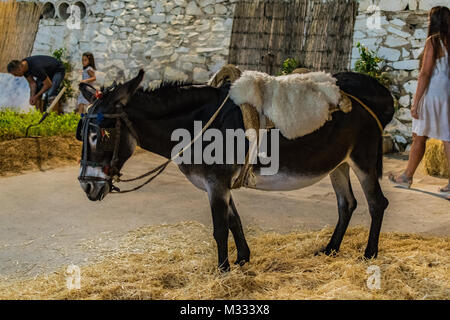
<point>88,76</point>
<point>431,106</point>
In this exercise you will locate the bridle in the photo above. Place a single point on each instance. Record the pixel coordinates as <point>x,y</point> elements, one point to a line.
<point>108,139</point>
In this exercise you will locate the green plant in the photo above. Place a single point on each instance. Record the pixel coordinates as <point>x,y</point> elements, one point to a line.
<point>289,65</point>
<point>14,123</point>
<point>61,54</point>
<point>369,63</point>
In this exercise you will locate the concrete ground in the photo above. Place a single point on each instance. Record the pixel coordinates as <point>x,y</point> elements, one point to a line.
<point>47,222</point>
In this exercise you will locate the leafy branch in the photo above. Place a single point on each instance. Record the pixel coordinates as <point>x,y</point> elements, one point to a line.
<point>61,55</point>
<point>369,63</point>
<point>289,65</point>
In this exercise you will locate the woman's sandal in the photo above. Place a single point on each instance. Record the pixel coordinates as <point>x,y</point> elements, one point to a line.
<point>445,189</point>
<point>401,180</point>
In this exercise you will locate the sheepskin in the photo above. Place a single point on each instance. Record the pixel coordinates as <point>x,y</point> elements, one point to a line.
<point>298,104</point>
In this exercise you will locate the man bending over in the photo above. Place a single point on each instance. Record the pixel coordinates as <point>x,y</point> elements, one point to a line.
<point>43,73</point>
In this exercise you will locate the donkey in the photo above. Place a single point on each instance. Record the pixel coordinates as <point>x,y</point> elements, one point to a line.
<point>149,117</point>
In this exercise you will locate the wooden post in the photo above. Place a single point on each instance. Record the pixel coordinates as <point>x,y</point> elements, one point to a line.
<point>56,105</point>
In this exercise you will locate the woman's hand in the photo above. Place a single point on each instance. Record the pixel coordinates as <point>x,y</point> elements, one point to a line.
<point>414,111</point>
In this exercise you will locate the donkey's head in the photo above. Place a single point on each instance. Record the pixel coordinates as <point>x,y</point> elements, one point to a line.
<point>107,134</point>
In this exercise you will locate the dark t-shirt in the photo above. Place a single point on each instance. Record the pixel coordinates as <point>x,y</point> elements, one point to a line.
<point>42,67</point>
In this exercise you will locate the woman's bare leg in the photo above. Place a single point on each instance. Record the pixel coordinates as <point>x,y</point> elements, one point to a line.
<point>416,154</point>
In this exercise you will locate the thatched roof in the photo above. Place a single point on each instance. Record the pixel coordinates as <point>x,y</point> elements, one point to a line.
<point>18,24</point>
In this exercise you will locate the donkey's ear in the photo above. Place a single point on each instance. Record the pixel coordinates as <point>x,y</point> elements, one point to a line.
<point>126,90</point>
<point>88,92</point>
<point>134,83</point>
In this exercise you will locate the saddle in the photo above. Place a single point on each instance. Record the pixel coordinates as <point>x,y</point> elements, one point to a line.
<point>268,102</point>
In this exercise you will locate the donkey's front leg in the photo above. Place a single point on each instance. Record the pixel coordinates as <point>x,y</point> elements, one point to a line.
<point>219,198</point>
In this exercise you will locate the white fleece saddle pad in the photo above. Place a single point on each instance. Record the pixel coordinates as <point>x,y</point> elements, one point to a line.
<point>297,104</point>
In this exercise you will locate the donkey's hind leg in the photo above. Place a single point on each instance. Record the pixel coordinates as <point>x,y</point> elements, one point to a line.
<point>243,251</point>
<point>377,202</point>
<point>346,201</point>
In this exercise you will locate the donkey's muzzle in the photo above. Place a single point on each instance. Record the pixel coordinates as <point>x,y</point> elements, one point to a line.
<point>95,190</point>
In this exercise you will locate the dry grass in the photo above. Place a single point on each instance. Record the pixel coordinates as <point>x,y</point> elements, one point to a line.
<point>179,262</point>
<point>43,153</point>
<point>40,153</point>
<point>435,161</point>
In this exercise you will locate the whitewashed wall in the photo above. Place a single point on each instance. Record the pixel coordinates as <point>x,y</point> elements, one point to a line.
<point>14,93</point>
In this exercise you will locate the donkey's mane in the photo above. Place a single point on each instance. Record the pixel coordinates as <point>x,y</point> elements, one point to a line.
<point>172,97</point>
<point>142,92</point>
<point>166,85</point>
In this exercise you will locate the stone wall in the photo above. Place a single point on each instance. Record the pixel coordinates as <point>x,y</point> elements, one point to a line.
<point>399,39</point>
<point>171,40</point>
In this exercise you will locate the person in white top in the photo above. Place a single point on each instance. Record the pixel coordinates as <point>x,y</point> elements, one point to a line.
<point>88,76</point>
<point>431,106</point>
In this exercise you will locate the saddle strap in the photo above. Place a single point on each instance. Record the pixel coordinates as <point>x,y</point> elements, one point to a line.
<point>380,126</point>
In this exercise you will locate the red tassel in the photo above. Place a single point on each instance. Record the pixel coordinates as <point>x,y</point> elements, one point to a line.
<point>106,170</point>
<point>98,94</point>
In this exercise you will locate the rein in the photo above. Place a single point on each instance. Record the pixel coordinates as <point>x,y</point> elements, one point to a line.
<point>116,173</point>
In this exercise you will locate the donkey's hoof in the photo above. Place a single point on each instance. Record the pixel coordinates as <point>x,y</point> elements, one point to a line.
<point>370,254</point>
<point>241,261</point>
<point>224,267</point>
<point>327,251</point>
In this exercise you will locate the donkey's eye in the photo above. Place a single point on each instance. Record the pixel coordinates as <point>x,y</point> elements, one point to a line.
<point>93,138</point>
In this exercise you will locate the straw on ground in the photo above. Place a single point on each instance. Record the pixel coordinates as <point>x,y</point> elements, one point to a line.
<point>179,262</point>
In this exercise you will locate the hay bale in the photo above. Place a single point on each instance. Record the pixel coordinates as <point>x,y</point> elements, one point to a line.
<point>435,160</point>
<point>179,262</point>
<point>388,144</point>
<point>39,153</point>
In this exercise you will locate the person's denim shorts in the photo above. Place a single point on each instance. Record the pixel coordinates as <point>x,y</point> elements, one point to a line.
<point>56,84</point>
